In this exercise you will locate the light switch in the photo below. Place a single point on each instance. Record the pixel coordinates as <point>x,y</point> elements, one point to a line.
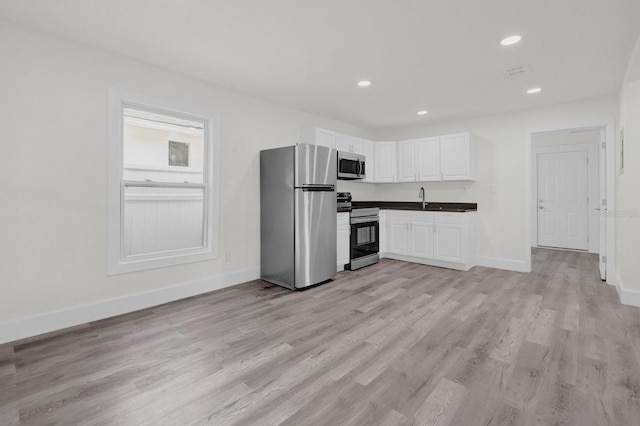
<point>494,188</point>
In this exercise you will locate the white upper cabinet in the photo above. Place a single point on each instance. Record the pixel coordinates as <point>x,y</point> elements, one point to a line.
<point>407,161</point>
<point>369,162</point>
<point>428,159</point>
<point>457,157</point>
<point>440,158</point>
<point>385,161</point>
<point>419,160</point>
<point>318,136</point>
<point>348,143</point>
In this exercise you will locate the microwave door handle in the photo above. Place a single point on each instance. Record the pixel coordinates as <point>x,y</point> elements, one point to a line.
<point>359,168</point>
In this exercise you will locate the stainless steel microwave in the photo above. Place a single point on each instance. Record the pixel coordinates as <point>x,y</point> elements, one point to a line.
<point>350,166</point>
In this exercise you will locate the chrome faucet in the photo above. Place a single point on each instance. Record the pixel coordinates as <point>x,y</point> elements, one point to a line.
<point>421,195</point>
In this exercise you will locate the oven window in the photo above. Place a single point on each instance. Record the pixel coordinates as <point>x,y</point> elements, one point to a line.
<point>366,235</point>
<point>364,239</point>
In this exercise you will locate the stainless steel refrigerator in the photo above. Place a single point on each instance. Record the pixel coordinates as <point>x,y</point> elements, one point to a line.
<point>298,215</point>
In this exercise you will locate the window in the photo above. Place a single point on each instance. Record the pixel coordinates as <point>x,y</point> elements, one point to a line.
<point>163,206</point>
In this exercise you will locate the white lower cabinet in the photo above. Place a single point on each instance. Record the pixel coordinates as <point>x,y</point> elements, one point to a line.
<point>449,243</point>
<point>384,234</point>
<point>435,238</point>
<point>343,240</point>
<point>422,239</point>
<point>399,238</point>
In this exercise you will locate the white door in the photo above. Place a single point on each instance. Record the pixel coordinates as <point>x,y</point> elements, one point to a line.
<point>385,160</point>
<point>399,241</point>
<point>348,143</point>
<point>449,242</point>
<point>602,208</point>
<point>563,200</point>
<point>455,157</point>
<point>325,138</point>
<point>369,163</point>
<point>422,239</point>
<point>342,241</point>
<point>407,161</point>
<point>429,159</point>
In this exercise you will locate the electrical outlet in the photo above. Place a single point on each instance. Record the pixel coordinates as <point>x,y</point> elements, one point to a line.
<point>227,256</point>
<point>494,188</point>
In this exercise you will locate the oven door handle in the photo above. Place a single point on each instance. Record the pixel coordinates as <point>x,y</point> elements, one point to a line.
<point>355,220</point>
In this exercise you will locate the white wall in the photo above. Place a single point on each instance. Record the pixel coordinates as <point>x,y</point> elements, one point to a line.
<point>628,187</point>
<point>501,163</point>
<point>54,173</point>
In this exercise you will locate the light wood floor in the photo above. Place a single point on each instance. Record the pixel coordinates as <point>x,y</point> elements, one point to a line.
<point>392,344</point>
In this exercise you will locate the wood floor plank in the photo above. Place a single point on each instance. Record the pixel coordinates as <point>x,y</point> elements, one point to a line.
<point>395,343</point>
<point>441,405</point>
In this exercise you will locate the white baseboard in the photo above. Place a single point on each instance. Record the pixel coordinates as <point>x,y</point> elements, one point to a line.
<point>506,264</point>
<point>627,297</point>
<point>22,328</point>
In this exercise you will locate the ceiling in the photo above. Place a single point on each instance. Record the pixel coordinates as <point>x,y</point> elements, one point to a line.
<point>443,56</point>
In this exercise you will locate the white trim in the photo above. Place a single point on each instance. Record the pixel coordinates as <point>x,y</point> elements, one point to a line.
<point>527,201</point>
<point>193,170</point>
<point>118,98</point>
<point>610,158</point>
<point>506,264</point>
<point>627,297</point>
<point>431,262</point>
<point>22,328</point>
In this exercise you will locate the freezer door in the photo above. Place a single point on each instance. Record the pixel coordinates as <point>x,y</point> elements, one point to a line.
<point>315,165</point>
<point>315,235</point>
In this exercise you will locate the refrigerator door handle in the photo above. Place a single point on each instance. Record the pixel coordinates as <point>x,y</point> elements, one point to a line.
<point>319,188</point>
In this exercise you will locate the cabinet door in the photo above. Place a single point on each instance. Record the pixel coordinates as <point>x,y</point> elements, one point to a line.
<point>422,239</point>
<point>406,161</point>
<point>449,242</point>
<point>369,163</point>
<point>325,138</point>
<point>342,240</point>
<point>455,157</point>
<point>384,232</point>
<point>399,237</point>
<point>385,161</point>
<point>428,159</point>
<point>343,245</point>
<point>357,146</point>
<point>343,142</point>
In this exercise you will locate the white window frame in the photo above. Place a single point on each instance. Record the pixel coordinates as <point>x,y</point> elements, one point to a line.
<point>117,263</point>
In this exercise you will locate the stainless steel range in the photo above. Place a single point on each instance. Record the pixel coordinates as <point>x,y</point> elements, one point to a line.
<point>365,237</point>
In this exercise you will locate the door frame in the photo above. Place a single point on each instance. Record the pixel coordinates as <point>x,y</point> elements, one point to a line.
<point>610,159</point>
<point>592,189</point>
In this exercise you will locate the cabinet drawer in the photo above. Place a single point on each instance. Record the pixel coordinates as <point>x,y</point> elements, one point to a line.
<point>343,219</point>
<point>446,217</point>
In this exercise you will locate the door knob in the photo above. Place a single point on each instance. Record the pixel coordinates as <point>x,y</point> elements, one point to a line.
<point>541,207</point>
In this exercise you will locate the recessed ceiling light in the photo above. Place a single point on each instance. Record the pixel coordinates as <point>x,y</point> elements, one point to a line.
<point>511,40</point>
<point>422,112</point>
<point>534,90</point>
<point>364,83</point>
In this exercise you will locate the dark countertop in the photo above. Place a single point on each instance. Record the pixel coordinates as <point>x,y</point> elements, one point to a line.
<point>410,205</point>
